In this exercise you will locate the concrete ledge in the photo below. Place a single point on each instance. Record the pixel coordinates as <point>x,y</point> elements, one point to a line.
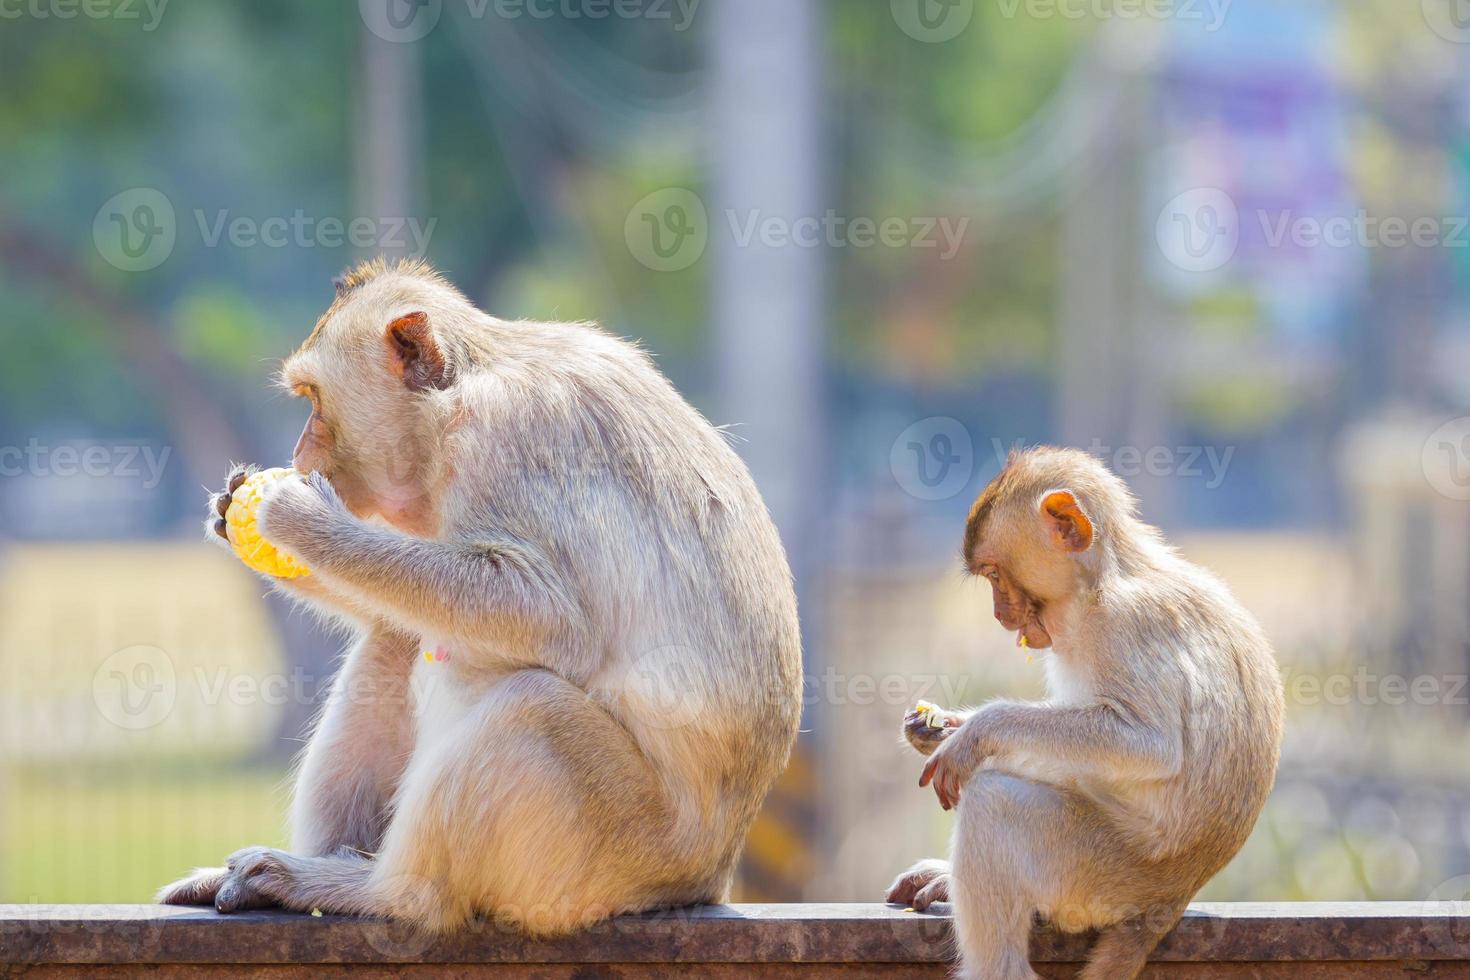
<point>1405,940</point>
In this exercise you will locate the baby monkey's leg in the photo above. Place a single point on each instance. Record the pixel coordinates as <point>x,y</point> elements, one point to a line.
<point>1023,847</point>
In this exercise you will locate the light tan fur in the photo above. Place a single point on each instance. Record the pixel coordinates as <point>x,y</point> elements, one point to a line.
<point>623,685</point>
<point>1110,804</point>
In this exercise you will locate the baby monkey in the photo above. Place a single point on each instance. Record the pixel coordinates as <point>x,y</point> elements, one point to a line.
<point>1110,804</point>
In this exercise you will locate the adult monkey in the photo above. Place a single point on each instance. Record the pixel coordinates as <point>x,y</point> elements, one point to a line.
<point>613,669</point>
<point>1112,802</point>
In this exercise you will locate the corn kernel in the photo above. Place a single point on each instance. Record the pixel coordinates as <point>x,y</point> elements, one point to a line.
<point>253,550</point>
<point>932,714</point>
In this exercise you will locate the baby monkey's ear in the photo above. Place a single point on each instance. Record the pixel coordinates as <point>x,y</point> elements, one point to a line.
<point>414,355</point>
<point>1071,528</point>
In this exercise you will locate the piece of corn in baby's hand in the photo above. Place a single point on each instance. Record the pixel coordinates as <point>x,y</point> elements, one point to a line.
<point>932,714</point>
<point>252,549</point>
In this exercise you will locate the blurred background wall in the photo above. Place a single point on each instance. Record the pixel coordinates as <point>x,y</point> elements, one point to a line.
<point>1224,244</point>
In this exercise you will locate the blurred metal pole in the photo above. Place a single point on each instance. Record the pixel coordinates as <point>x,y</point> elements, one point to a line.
<point>388,136</point>
<point>766,84</point>
<point>388,184</point>
<point>1111,327</point>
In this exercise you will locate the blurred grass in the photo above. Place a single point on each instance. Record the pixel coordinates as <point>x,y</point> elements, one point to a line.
<point>115,834</point>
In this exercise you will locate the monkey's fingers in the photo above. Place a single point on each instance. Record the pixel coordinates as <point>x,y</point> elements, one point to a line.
<point>927,776</point>
<point>198,888</point>
<point>951,790</point>
<point>921,736</point>
<point>240,894</point>
<point>239,473</point>
<point>936,891</point>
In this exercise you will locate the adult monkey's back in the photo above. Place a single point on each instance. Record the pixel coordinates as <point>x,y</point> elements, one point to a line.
<point>578,671</point>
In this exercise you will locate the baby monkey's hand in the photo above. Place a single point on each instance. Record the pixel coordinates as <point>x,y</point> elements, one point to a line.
<point>927,725</point>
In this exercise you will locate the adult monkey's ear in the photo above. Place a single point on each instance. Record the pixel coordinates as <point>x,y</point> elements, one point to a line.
<point>414,355</point>
<point>1071,528</point>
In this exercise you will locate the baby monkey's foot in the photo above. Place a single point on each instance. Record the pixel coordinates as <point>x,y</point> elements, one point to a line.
<point>928,725</point>
<point>219,503</point>
<point>922,885</point>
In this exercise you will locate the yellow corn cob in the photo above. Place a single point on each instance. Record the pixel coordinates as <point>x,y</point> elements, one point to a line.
<point>255,551</point>
<point>933,714</point>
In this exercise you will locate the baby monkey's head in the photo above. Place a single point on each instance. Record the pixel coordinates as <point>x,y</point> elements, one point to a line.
<point>1038,533</point>
<point>379,372</point>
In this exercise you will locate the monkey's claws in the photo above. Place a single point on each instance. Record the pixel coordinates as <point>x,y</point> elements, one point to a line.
<point>256,877</point>
<point>946,772</point>
<point>198,888</point>
<point>922,735</point>
<point>219,503</point>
